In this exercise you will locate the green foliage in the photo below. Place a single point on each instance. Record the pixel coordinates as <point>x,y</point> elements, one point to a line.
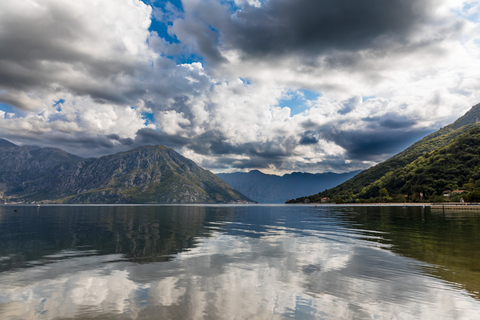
<point>473,196</point>
<point>383,192</point>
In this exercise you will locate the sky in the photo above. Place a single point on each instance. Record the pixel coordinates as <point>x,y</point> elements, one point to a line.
<point>236,85</point>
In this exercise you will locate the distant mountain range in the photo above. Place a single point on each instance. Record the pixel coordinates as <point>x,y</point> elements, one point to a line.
<point>149,174</point>
<point>266,188</point>
<point>444,160</point>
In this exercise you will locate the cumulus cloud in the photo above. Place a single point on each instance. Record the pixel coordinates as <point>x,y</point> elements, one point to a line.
<point>83,48</point>
<point>215,79</point>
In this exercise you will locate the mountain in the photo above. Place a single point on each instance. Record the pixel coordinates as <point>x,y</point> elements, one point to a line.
<point>149,174</point>
<point>447,168</point>
<point>31,169</point>
<point>366,184</point>
<point>6,144</point>
<point>266,188</point>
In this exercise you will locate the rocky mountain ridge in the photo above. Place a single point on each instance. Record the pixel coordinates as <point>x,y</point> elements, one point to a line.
<point>148,174</point>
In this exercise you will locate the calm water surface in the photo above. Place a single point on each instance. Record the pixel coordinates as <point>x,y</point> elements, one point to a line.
<point>238,262</point>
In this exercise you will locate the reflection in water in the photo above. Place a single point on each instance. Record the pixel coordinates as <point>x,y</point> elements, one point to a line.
<point>251,262</point>
<point>449,242</point>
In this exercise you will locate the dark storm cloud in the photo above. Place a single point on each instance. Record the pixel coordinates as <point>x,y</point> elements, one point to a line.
<point>213,142</point>
<point>79,144</point>
<point>308,138</point>
<point>390,121</point>
<point>397,123</point>
<point>309,124</point>
<point>123,141</point>
<point>373,145</point>
<point>282,26</point>
<point>307,27</point>
<point>148,136</point>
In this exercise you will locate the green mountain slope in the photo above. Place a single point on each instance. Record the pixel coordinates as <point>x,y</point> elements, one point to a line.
<point>362,185</point>
<point>149,174</point>
<point>447,168</point>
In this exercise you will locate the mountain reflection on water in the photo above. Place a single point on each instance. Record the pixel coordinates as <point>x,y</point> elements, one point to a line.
<point>242,262</point>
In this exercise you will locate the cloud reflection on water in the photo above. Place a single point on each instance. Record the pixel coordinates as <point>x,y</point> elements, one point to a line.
<point>241,271</point>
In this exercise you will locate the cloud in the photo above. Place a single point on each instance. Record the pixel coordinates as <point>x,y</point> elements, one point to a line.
<point>308,138</point>
<point>81,48</point>
<point>148,136</point>
<point>372,146</point>
<point>312,28</point>
<point>212,81</point>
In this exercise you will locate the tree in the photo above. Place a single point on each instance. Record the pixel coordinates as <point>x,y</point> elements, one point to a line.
<point>473,196</point>
<point>383,192</point>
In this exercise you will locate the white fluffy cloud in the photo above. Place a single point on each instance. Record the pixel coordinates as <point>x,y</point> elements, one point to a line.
<point>223,85</point>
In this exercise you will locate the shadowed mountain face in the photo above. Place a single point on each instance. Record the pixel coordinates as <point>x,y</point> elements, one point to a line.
<point>367,184</point>
<point>266,188</point>
<point>150,174</point>
<point>6,144</point>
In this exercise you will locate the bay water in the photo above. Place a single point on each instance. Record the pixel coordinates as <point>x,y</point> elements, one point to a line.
<point>238,262</point>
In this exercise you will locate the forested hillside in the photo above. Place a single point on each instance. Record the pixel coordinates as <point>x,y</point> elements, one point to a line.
<point>365,185</point>
<point>453,167</point>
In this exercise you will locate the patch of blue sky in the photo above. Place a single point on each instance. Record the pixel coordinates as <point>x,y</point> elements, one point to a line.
<point>367,97</point>
<point>298,100</point>
<point>5,107</point>
<point>467,12</point>
<point>188,59</point>
<point>148,117</point>
<point>234,6</point>
<point>161,28</point>
<point>246,81</point>
<point>13,112</point>
<point>310,95</point>
<point>231,5</point>
<point>474,17</point>
<point>58,104</point>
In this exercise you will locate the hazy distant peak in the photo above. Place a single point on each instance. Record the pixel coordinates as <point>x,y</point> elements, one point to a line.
<point>256,171</point>
<point>267,188</point>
